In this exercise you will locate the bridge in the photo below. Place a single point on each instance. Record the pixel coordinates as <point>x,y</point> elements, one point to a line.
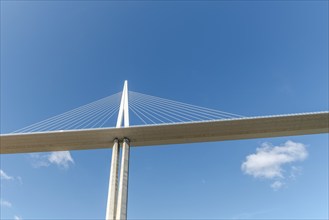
<point>163,122</point>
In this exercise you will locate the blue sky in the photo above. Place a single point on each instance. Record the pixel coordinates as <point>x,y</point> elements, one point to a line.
<point>245,57</point>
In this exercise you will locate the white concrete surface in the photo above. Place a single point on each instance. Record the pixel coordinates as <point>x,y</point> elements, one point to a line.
<point>220,130</point>
<point>121,213</point>
<point>113,183</point>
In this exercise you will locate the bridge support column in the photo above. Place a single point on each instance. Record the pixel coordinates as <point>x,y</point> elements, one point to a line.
<point>121,212</point>
<point>113,184</point>
<point>117,200</point>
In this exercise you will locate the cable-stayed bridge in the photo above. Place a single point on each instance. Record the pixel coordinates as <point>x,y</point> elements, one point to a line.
<point>155,121</point>
<point>147,110</point>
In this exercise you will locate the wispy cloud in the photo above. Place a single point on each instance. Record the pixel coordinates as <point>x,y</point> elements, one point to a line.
<point>17,218</point>
<point>5,176</point>
<point>294,172</point>
<point>62,159</point>
<point>4,203</point>
<point>252,215</point>
<point>276,185</point>
<point>268,161</point>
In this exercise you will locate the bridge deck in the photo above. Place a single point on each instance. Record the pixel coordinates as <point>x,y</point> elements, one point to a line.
<point>232,129</point>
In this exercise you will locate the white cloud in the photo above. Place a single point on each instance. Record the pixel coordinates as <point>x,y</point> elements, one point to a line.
<point>277,185</point>
<point>4,176</point>
<point>5,203</point>
<point>60,158</point>
<point>39,160</point>
<point>294,172</point>
<point>17,218</point>
<point>268,161</point>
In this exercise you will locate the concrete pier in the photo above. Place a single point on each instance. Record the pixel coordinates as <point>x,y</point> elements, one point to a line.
<point>121,212</point>
<point>113,184</point>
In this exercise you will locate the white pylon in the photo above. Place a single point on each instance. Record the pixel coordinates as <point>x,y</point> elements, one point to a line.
<point>117,200</point>
<point>124,109</point>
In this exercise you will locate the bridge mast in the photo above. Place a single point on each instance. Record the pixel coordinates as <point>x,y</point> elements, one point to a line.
<point>117,197</point>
